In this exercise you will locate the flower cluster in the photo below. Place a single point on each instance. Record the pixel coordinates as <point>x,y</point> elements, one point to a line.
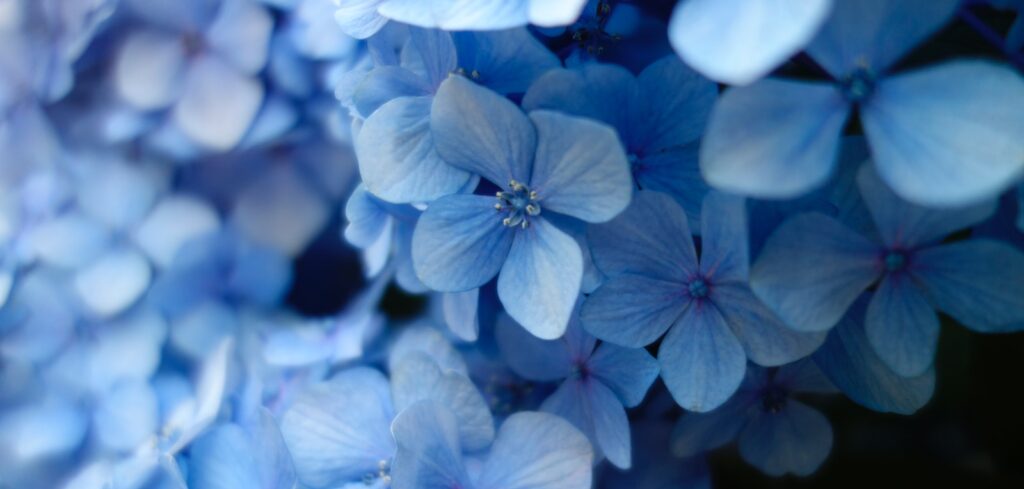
<point>488,244</point>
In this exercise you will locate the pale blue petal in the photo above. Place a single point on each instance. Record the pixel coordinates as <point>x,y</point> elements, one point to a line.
<point>506,61</point>
<point>739,41</point>
<point>960,151</point>
<point>628,372</point>
<point>223,458</point>
<point>537,451</point>
<point>902,326</point>
<point>339,430</point>
<point>126,416</point>
<point>530,357</point>
<point>978,282</point>
<point>554,13</point>
<point>903,225</point>
<point>702,362</point>
<point>479,131</point>
<point>417,378</point>
<point>397,157</point>
<point>367,220</point>
<point>675,107</point>
<point>429,455</point>
<point>460,243</point>
<point>149,68</point>
<point>68,241</point>
<point>580,167</point>
<point>240,34</point>
<point>425,339</point>
<point>611,426</point>
<point>812,269</point>
<point>52,426</point>
<point>607,93</point>
<point>765,339</point>
<point>876,33</point>
<point>460,313</point>
<point>114,282</point>
<point>359,18</point>
<point>386,83</point>
<point>173,222</point>
<point>275,462</point>
<point>218,104</point>
<point>774,139</point>
<point>850,362</point>
<point>633,310</point>
<point>797,439</point>
<point>725,250</point>
<point>433,53</point>
<point>651,238</point>
<point>541,278</point>
<point>696,433</point>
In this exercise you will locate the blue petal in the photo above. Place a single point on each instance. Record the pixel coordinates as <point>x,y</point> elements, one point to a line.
<point>607,93</point>
<point>580,167</point>
<point>386,83</point>
<point>901,326</point>
<point>629,372</point>
<point>540,281</point>
<point>359,18</point>
<point>460,313</point>
<point>903,225</point>
<point>530,357</point>
<point>117,194</point>
<point>482,132</point>
<point>223,458</point>
<point>850,362</point>
<point>126,416</point>
<point>812,269</point>
<point>739,41</point>
<point>397,157</point>
<point>696,433</point>
<point>766,340</point>
<point>676,172</point>
<point>367,220</point>
<point>538,451</point>
<point>460,243</point>
<point>978,282</point>
<point>797,440</point>
<point>429,455</point>
<point>774,139</point>
<point>633,310</point>
<point>676,103</point>
<point>218,104</point>
<point>651,238</point>
<point>702,362</point>
<point>952,153</point>
<point>725,250</point>
<point>547,13</point>
<point>68,241</point>
<point>52,426</point>
<point>114,282</point>
<point>433,54</point>
<point>422,338</point>
<point>176,220</point>
<point>148,69</point>
<point>595,411</point>
<point>339,430</point>
<point>418,377</point>
<point>240,34</point>
<point>876,33</point>
<point>505,61</point>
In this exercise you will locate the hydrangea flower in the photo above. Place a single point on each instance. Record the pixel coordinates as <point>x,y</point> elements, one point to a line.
<point>659,115</point>
<point>597,381</point>
<point>656,284</point>
<point>778,138</point>
<point>814,267</point>
<point>547,165</point>
<point>776,432</point>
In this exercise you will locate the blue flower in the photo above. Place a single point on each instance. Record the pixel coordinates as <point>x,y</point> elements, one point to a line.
<point>659,115</point>
<point>597,382</point>
<point>535,450</point>
<point>546,164</point>
<point>814,267</point>
<point>656,284</point>
<point>778,138</point>
<point>777,433</point>
<point>739,41</point>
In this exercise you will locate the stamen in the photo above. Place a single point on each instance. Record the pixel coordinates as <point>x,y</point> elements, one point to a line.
<point>519,202</point>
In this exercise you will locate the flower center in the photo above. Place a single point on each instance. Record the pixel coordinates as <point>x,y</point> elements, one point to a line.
<point>895,261</point>
<point>471,74</point>
<point>383,473</point>
<point>858,85</point>
<point>698,288</point>
<point>518,203</point>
